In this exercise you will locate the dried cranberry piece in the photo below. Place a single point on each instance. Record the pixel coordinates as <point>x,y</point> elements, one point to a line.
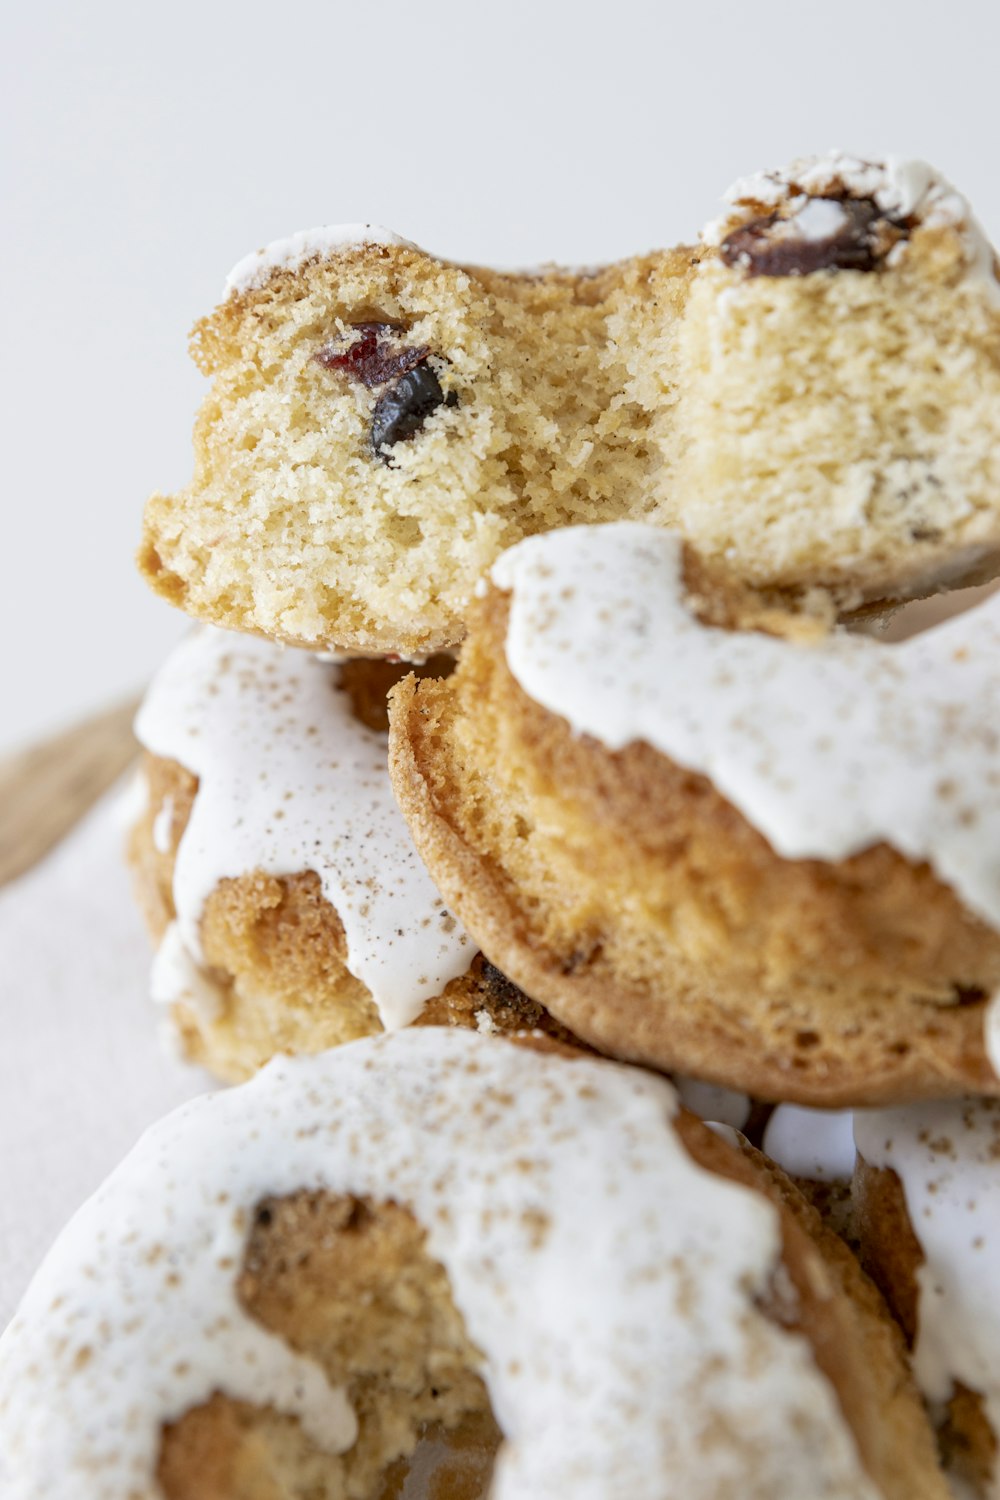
<point>372,359</point>
<point>404,408</point>
<point>770,246</point>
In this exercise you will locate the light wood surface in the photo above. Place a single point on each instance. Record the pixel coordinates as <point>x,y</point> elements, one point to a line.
<point>46,789</point>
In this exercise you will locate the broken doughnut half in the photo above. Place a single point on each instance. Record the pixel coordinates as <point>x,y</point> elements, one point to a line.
<point>810,394</point>
<point>715,840</point>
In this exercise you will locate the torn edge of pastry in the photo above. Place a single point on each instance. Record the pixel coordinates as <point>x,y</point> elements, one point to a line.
<point>837,370</point>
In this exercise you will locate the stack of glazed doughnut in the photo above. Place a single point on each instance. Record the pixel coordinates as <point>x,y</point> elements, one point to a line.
<point>589,799</point>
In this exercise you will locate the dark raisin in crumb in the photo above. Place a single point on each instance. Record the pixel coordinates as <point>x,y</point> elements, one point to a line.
<point>969,994</point>
<point>403,409</point>
<point>769,246</point>
<point>372,358</point>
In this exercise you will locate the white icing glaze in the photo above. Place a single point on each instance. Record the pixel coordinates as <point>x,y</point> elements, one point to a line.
<point>711,1102</point>
<point>901,187</point>
<point>623,1345</point>
<point>816,1143</point>
<point>308,244</point>
<point>178,979</point>
<point>947,1157</point>
<point>163,825</point>
<point>132,802</point>
<point>825,748</point>
<point>818,219</point>
<point>991,1029</point>
<point>288,781</point>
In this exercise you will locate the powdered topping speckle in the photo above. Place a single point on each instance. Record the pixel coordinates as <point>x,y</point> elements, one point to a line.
<point>289,780</point>
<point>826,748</point>
<point>903,189</point>
<point>297,249</point>
<point>602,1384</point>
<point>947,1157</point>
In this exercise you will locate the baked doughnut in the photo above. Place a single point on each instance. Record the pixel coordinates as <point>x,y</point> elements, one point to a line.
<point>768,862</point>
<point>927,1193</point>
<point>838,378</point>
<point>814,399</point>
<point>277,876</point>
<point>381,424</point>
<point>285,1281</point>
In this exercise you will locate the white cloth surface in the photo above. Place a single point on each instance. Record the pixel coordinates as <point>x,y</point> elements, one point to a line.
<point>82,1072</point>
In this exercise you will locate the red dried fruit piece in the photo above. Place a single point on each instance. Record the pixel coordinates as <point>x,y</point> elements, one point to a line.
<point>774,246</point>
<point>372,358</point>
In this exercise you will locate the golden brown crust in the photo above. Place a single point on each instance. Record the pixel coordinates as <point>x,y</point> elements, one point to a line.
<point>891,1254</point>
<point>349,1282</point>
<point>682,940</point>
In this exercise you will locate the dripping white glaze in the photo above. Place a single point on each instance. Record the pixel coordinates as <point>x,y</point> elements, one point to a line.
<point>947,1158</point>
<point>904,188</point>
<point>602,1384</point>
<point>289,780</point>
<point>816,1143</point>
<point>308,244</point>
<point>826,748</point>
<point>178,979</point>
<point>163,825</point>
<point>992,1030</point>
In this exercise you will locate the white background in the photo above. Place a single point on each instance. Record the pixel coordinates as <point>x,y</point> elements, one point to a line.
<point>148,148</point>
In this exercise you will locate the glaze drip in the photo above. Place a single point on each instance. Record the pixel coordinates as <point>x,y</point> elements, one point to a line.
<point>289,780</point>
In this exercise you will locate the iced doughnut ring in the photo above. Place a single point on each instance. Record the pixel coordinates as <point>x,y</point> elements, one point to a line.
<point>278,878</point>
<point>286,1282</point>
<point>811,393</point>
<point>766,862</point>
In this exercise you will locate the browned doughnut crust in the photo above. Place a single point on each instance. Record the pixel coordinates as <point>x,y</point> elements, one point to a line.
<point>646,913</point>
<point>278,955</point>
<point>395,1317</point>
<point>891,1254</point>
